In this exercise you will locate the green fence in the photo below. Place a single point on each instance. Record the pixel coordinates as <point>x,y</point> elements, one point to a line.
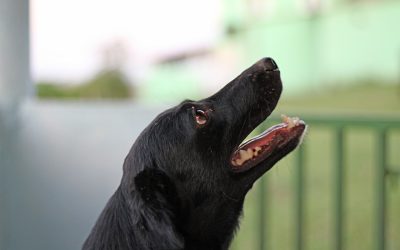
<point>341,127</point>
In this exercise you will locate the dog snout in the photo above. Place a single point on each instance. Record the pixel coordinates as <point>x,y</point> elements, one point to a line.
<point>267,64</point>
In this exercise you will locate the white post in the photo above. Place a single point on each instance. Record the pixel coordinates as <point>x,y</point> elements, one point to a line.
<point>15,82</point>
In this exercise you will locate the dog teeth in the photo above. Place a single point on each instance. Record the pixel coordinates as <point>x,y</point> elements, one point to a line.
<point>291,122</point>
<point>245,155</point>
<point>237,162</point>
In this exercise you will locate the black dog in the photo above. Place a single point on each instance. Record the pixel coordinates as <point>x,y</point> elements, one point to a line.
<point>186,177</point>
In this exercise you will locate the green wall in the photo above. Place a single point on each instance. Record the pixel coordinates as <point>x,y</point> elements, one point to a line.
<point>341,44</point>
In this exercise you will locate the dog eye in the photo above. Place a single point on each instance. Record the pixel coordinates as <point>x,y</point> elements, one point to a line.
<point>200,116</point>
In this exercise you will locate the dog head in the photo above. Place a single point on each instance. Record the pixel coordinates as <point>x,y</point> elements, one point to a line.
<point>200,139</point>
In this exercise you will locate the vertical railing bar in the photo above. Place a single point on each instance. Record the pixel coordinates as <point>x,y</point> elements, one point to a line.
<point>262,214</point>
<point>299,186</point>
<point>380,190</point>
<point>338,193</point>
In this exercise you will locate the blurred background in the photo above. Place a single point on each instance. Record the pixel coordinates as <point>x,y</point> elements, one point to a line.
<point>79,80</point>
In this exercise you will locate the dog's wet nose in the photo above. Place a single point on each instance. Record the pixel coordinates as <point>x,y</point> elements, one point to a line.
<point>268,64</point>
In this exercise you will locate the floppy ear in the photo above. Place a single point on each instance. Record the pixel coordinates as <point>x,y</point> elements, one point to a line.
<point>160,214</point>
<point>156,189</point>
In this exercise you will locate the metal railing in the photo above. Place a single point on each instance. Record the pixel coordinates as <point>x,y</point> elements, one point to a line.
<point>339,125</point>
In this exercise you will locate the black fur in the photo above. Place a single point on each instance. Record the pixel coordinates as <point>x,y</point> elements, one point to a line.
<point>178,190</point>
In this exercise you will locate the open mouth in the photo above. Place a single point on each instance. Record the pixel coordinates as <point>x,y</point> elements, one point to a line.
<point>274,141</point>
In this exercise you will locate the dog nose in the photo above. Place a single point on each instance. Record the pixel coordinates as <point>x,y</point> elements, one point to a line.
<point>268,64</point>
